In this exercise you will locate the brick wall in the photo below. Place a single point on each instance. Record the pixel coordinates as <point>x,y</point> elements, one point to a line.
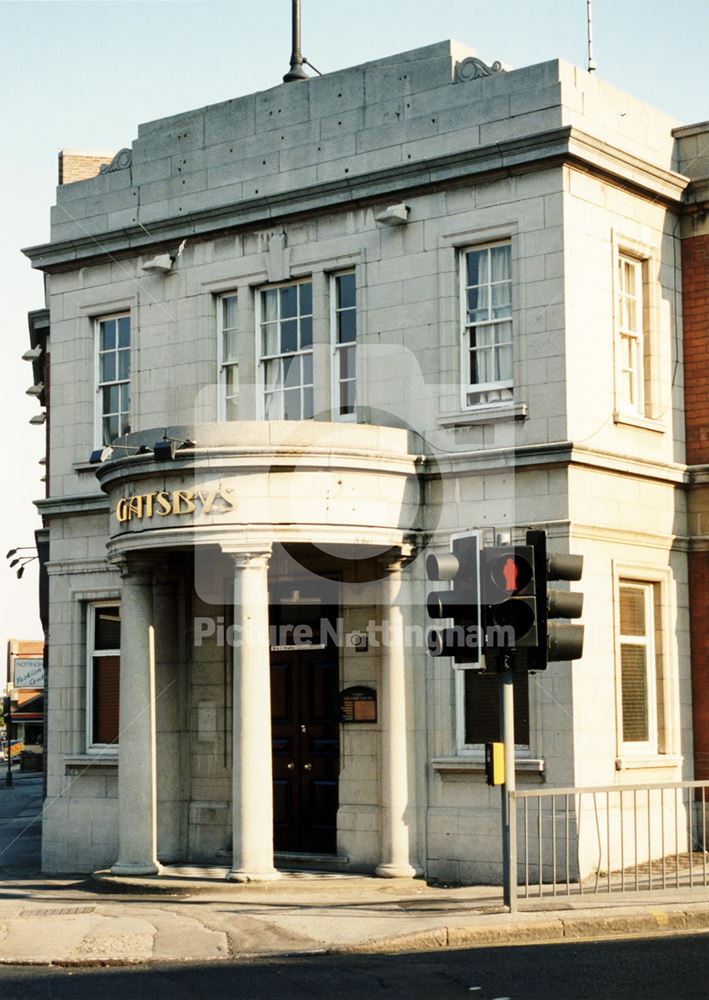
<point>699,630</point>
<point>695,290</point>
<point>78,166</point>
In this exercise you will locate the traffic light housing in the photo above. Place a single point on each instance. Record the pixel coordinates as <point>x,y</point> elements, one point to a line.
<point>509,597</point>
<point>495,763</point>
<point>556,640</point>
<point>460,604</point>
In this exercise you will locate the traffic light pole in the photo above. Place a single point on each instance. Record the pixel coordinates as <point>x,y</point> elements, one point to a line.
<point>509,808</point>
<point>8,748</point>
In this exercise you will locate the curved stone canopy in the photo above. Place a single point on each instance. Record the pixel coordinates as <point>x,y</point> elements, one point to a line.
<point>248,483</point>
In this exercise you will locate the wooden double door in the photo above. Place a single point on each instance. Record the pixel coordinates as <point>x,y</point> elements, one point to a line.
<point>306,748</point>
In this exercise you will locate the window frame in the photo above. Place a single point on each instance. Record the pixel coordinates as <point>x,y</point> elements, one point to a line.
<point>99,385</point>
<point>336,347</point>
<point>222,363</point>
<point>503,386</point>
<point>666,751</point>
<point>647,642</point>
<point>262,358</point>
<point>91,653</point>
<point>640,335</point>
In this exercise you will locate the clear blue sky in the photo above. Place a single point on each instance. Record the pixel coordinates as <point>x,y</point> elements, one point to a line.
<point>85,74</point>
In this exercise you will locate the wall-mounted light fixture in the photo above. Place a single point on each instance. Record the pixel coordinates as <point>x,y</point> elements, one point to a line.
<point>162,264</point>
<point>164,451</point>
<point>100,455</point>
<point>21,560</point>
<point>394,215</point>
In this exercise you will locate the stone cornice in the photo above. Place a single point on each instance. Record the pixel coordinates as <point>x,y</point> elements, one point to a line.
<point>539,151</point>
<point>698,475</point>
<point>94,503</point>
<point>557,454</point>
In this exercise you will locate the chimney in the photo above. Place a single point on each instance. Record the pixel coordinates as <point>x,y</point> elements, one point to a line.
<point>79,164</point>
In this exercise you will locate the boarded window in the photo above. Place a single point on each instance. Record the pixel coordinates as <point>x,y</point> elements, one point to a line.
<point>104,658</point>
<point>482,708</point>
<point>106,681</point>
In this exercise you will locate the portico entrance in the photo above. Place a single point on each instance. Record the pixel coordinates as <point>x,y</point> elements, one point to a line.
<point>298,507</point>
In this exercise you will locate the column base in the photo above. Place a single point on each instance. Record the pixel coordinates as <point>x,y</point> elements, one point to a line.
<point>239,875</point>
<point>137,869</point>
<point>395,871</point>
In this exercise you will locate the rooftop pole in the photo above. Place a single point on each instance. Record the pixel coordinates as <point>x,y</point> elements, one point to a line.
<point>591,65</point>
<point>296,71</point>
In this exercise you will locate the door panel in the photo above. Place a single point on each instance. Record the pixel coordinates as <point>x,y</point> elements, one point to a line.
<point>306,749</point>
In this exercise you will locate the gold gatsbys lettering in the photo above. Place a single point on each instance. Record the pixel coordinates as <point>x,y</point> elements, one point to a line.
<point>215,500</point>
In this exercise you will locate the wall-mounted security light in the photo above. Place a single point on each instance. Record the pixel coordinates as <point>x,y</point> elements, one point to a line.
<point>100,455</point>
<point>165,450</point>
<point>394,215</point>
<point>23,559</point>
<point>32,354</point>
<point>38,418</point>
<point>35,390</point>
<point>162,264</point>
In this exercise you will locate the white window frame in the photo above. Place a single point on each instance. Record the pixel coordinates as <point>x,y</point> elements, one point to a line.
<point>647,643</point>
<point>222,363</point>
<point>98,384</point>
<point>262,358</point>
<point>497,392</point>
<point>337,347</point>
<point>91,653</point>
<point>634,339</point>
<point>665,750</point>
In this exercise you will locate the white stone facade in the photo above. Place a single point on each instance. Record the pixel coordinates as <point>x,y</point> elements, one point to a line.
<point>286,185</point>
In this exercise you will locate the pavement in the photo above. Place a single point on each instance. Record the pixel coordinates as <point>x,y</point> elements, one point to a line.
<point>193,914</point>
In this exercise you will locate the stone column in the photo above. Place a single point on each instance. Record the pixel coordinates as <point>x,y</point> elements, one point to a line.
<point>170,702</point>
<point>252,777</point>
<point>397,829</point>
<point>137,851</point>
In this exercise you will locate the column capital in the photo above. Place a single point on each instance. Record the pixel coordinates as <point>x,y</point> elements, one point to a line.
<point>397,559</point>
<point>133,568</point>
<point>253,557</point>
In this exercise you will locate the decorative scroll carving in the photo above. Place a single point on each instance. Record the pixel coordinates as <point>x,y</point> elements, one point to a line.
<point>474,69</point>
<point>120,161</point>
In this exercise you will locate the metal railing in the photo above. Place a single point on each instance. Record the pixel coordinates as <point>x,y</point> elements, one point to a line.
<point>612,838</point>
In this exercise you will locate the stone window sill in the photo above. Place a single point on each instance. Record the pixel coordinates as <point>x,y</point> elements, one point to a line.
<point>476,765</point>
<point>484,414</point>
<point>642,761</point>
<point>76,763</point>
<point>636,420</point>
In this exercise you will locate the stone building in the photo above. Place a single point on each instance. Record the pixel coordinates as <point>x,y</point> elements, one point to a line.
<point>307,335</point>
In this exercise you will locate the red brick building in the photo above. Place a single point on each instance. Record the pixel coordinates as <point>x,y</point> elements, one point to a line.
<point>694,162</point>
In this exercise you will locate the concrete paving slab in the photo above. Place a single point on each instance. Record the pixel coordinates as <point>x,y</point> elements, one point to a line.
<point>64,921</point>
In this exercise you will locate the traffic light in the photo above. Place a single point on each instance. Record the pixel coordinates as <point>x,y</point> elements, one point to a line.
<point>557,640</point>
<point>460,604</point>
<point>509,597</point>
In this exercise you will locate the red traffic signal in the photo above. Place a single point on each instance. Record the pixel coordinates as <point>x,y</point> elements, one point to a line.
<point>508,596</point>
